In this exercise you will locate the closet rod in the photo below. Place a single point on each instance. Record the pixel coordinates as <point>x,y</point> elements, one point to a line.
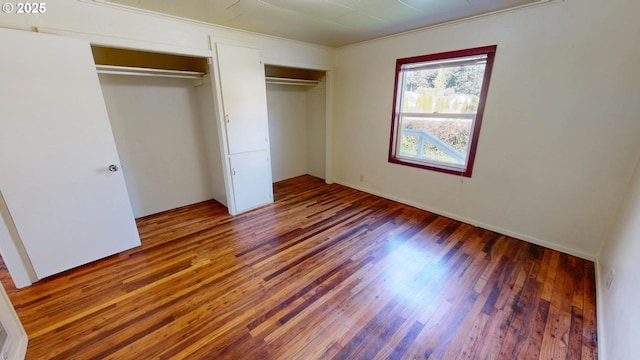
<point>138,71</point>
<point>290,81</point>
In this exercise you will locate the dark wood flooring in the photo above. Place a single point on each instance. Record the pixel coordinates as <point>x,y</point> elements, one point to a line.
<point>326,272</point>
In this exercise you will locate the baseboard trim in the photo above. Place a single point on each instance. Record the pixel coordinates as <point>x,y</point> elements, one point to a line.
<point>473,222</point>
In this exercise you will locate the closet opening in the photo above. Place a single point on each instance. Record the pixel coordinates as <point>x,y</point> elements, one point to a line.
<point>161,111</point>
<point>296,106</point>
<point>150,60</point>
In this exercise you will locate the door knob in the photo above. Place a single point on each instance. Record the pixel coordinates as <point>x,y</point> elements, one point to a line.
<point>113,168</point>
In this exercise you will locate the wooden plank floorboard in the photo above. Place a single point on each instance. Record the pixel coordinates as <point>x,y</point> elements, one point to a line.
<point>325,272</point>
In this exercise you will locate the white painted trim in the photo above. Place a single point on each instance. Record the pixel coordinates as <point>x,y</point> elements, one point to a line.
<point>464,19</point>
<point>11,322</point>
<point>497,229</point>
<point>328,157</point>
<point>214,40</point>
<point>13,252</point>
<point>211,26</point>
<point>602,355</point>
<point>222,131</point>
<point>131,44</point>
<point>228,28</point>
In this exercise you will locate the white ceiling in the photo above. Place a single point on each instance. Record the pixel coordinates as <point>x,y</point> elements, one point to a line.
<point>326,22</point>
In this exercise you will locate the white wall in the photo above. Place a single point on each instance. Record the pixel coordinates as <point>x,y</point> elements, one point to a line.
<point>316,130</point>
<point>287,108</point>
<point>156,125</point>
<point>297,130</point>
<point>559,134</point>
<point>619,308</point>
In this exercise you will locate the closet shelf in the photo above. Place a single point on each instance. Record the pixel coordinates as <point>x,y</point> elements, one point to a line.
<point>138,71</point>
<point>290,81</point>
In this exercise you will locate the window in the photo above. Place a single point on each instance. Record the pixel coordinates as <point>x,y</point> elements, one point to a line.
<point>437,111</point>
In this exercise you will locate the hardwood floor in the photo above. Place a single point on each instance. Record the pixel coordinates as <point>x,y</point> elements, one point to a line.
<point>326,272</point>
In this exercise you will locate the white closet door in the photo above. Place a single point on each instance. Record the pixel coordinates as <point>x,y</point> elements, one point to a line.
<point>56,147</point>
<point>244,98</point>
<point>251,174</point>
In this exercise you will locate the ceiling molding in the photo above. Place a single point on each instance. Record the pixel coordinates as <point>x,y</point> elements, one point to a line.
<point>212,27</point>
<point>457,21</point>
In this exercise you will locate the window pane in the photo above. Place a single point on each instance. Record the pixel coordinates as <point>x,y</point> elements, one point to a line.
<point>443,90</point>
<point>450,62</point>
<point>442,140</point>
